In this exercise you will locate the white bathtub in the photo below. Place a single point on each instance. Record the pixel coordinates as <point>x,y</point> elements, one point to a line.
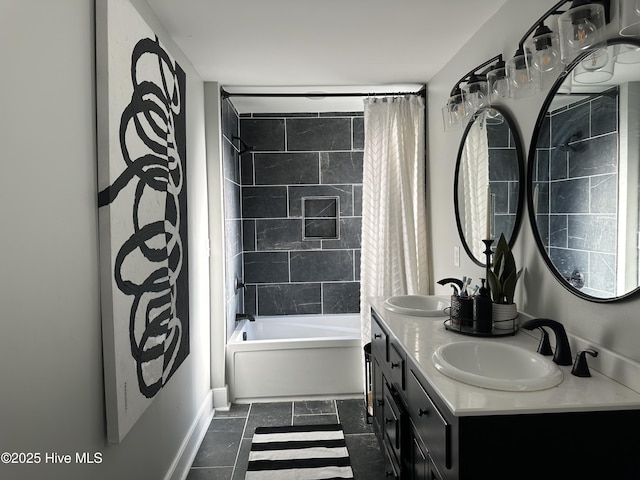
<point>295,357</point>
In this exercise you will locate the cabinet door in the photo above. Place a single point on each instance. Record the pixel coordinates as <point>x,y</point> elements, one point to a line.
<point>397,366</point>
<point>431,426</point>
<point>378,401</point>
<point>379,339</point>
<point>419,459</point>
<point>392,420</point>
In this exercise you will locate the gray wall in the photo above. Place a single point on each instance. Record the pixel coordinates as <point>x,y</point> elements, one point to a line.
<point>614,326</point>
<point>50,348</point>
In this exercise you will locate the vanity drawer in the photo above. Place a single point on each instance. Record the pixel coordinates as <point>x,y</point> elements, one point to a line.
<point>397,366</point>
<point>392,425</point>
<point>432,427</point>
<point>379,339</point>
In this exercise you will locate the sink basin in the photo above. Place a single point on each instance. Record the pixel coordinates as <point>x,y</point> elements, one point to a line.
<point>417,305</point>
<point>496,366</point>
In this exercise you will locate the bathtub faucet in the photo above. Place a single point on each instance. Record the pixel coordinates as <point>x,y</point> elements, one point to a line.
<point>245,316</point>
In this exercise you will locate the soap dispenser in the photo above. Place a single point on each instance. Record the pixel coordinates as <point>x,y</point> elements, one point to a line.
<point>482,310</point>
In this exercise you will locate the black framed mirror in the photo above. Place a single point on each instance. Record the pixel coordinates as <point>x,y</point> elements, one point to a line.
<point>583,174</point>
<point>488,190</point>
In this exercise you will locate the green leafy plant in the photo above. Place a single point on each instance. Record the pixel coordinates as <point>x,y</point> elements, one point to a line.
<point>503,275</point>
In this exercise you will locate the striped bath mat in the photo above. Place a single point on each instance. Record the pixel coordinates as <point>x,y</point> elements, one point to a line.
<point>300,452</point>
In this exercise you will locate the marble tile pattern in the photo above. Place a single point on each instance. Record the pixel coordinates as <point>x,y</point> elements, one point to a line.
<point>297,156</point>
<point>224,451</point>
<point>576,174</point>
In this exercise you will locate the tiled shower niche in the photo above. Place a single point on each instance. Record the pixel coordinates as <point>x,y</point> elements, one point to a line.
<point>301,193</point>
<point>577,190</point>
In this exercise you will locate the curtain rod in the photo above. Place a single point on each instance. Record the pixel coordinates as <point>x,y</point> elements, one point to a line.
<point>422,92</point>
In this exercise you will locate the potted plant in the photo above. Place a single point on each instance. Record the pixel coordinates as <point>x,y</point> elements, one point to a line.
<point>503,277</point>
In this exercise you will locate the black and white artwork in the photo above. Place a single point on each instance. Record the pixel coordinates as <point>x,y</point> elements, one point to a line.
<point>142,204</point>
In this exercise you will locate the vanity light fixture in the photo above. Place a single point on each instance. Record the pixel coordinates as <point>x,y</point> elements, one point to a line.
<point>545,49</point>
<point>454,113</point>
<point>476,93</point>
<point>627,54</point>
<point>597,67</point>
<point>541,52</point>
<point>581,28</point>
<point>498,83</point>
<point>523,81</point>
<point>468,95</point>
<point>540,55</point>
<point>629,11</point>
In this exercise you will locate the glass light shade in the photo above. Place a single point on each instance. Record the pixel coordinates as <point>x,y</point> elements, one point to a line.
<point>545,52</point>
<point>597,67</point>
<point>475,94</point>
<point>523,81</point>
<point>454,113</point>
<point>581,29</point>
<point>498,84</point>
<point>627,54</point>
<point>629,12</point>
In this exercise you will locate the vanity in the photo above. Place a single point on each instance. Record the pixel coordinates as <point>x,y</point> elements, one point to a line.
<point>431,426</point>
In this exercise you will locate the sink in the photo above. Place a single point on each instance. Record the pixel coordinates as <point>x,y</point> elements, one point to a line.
<point>497,366</point>
<point>418,305</point>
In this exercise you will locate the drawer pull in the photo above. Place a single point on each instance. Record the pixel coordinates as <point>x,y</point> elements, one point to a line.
<point>380,402</point>
<point>377,335</point>
<point>422,412</point>
<point>389,420</point>
<point>395,365</point>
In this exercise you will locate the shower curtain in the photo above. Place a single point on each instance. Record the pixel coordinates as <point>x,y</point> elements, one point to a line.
<point>394,233</point>
<point>474,179</point>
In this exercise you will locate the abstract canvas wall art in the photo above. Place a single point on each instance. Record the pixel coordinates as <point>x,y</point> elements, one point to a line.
<point>142,205</point>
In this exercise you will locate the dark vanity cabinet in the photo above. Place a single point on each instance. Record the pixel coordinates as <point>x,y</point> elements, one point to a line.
<point>422,439</point>
<point>409,426</point>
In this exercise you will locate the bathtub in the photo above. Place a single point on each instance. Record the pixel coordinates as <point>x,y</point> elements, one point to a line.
<point>295,357</point>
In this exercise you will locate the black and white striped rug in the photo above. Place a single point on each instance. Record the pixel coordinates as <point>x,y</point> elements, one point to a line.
<point>299,452</point>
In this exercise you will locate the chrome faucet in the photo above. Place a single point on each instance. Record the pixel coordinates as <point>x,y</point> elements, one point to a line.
<point>245,316</point>
<point>562,356</point>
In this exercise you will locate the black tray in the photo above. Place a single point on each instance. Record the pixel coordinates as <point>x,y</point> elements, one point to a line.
<point>495,332</point>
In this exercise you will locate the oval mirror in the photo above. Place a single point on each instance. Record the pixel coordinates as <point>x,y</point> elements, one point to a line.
<point>583,175</point>
<point>488,196</point>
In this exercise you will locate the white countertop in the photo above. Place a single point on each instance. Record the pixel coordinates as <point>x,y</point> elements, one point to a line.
<point>420,336</point>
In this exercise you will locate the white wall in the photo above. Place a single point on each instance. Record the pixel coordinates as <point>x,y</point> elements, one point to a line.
<point>51,383</point>
<point>614,326</point>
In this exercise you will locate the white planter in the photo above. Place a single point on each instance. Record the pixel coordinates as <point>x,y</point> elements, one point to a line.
<point>504,316</point>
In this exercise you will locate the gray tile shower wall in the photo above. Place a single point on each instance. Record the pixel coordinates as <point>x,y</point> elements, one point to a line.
<point>577,189</point>
<point>503,176</point>
<point>232,212</point>
<point>296,156</point>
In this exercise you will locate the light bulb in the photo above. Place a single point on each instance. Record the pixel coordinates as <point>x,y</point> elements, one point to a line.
<point>595,60</point>
<point>581,28</point>
<point>500,87</point>
<point>546,60</point>
<point>637,8</point>
<point>583,34</point>
<point>520,77</point>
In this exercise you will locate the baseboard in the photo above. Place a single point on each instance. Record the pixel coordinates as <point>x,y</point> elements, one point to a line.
<point>182,463</point>
<point>221,398</point>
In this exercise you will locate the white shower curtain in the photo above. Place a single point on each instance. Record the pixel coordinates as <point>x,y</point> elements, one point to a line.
<point>394,233</point>
<point>474,178</point>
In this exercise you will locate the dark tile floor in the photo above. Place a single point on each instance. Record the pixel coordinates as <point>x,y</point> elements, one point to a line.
<point>224,451</point>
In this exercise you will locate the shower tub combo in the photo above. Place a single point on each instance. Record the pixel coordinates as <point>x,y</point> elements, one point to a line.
<point>293,357</point>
